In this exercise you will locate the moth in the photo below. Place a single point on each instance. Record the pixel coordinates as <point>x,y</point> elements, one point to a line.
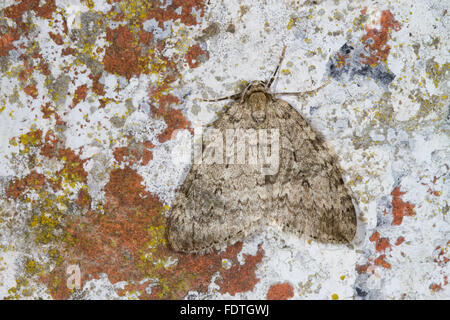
<point>221,203</point>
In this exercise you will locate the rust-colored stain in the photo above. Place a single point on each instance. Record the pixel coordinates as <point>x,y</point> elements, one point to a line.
<point>376,39</point>
<point>382,244</point>
<point>400,208</point>
<point>84,199</point>
<point>280,291</point>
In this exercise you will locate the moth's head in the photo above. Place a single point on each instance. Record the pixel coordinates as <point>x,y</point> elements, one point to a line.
<point>255,93</point>
<point>256,97</point>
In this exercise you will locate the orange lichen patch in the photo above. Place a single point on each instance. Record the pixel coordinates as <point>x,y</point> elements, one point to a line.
<point>381,262</point>
<point>434,192</point>
<point>16,11</point>
<point>400,208</point>
<point>383,244</point>
<point>73,170</point>
<point>57,38</point>
<point>399,241</point>
<point>6,41</point>
<point>84,199</point>
<point>133,195</point>
<point>280,291</point>
<point>110,242</point>
<point>147,156</point>
<point>374,237</point>
<point>149,11</point>
<point>362,268</point>
<point>32,181</point>
<point>174,120</point>
<point>97,87</point>
<point>80,95</point>
<point>193,54</point>
<point>49,149</point>
<point>68,51</point>
<point>435,287</point>
<point>135,153</point>
<point>127,242</point>
<point>49,110</point>
<point>33,137</point>
<point>341,60</point>
<point>122,56</point>
<point>442,255</point>
<point>194,272</point>
<point>31,90</point>
<point>43,65</point>
<point>377,45</point>
<point>246,280</point>
<point>145,37</point>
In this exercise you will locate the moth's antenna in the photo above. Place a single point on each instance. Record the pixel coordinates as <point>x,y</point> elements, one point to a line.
<point>234,96</point>
<point>276,70</point>
<point>305,92</point>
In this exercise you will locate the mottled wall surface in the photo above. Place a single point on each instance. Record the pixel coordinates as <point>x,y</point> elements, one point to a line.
<point>97,96</point>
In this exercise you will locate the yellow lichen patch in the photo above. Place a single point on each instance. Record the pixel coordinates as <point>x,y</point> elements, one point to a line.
<point>32,267</point>
<point>291,23</point>
<point>334,296</point>
<point>29,139</point>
